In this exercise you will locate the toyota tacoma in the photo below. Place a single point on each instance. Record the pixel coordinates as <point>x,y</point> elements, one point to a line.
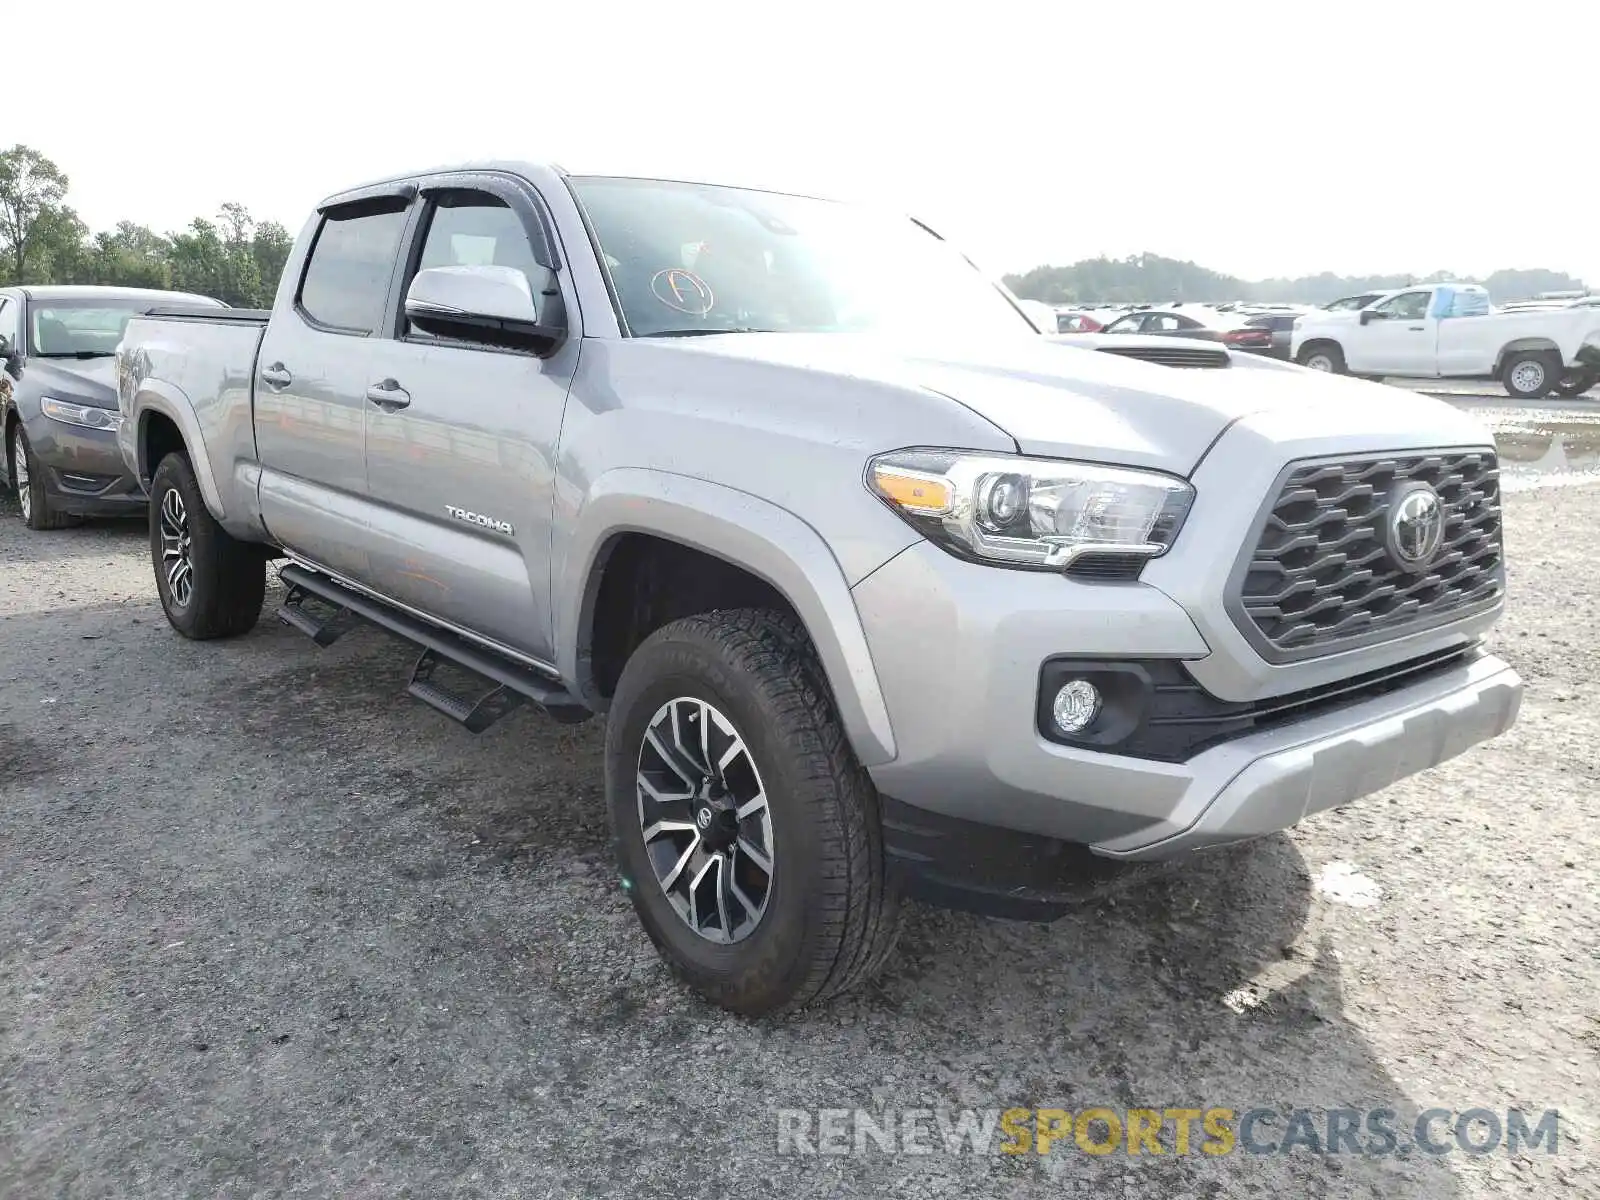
<point>872,608</point>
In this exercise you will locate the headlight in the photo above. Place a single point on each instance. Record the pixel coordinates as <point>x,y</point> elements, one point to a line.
<point>1030,512</point>
<point>85,415</point>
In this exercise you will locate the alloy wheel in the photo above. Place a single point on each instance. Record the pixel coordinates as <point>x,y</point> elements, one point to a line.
<point>1320,362</point>
<point>175,548</point>
<point>704,817</point>
<point>20,477</point>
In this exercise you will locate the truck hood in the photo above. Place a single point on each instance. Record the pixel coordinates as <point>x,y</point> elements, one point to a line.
<point>91,381</point>
<point>1058,400</point>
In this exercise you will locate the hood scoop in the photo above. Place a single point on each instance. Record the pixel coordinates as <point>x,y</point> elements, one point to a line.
<point>1174,356</point>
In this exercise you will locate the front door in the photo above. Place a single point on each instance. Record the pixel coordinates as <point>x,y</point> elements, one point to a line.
<point>310,388</point>
<point>461,439</point>
<point>1399,339</point>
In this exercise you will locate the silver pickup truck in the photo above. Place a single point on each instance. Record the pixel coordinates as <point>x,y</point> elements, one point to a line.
<point>876,603</point>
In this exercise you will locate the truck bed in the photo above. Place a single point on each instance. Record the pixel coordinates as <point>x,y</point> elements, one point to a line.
<point>175,361</point>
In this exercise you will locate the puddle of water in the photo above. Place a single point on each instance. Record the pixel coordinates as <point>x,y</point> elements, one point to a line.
<point>1544,447</point>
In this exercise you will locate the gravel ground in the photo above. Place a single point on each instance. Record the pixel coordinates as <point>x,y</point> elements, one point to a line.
<point>267,927</point>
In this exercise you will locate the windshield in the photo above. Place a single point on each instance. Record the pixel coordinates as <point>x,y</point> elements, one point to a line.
<point>87,328</point>
<point>696,258</point>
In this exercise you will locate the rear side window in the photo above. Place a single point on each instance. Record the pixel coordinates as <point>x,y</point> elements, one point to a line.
<point>8,320</point>
<point>351,261</point>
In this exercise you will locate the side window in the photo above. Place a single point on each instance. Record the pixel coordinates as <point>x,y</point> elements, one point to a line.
<point>1162,323</point>
<point>476,229</point>
<point>8,321</point>
<point>1131,323</point>
<point>352,259</point>
<point>1407,306</point>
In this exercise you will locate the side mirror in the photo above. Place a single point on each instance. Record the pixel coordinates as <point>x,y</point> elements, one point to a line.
<point>1368,316</point>
<point>496,305</point>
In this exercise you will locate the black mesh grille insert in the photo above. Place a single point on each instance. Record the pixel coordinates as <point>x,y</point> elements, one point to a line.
<point>1322,576</point>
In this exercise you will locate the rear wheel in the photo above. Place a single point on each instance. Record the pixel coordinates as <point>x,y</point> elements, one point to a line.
<point>748,836</point>
<point>1576,383</point>
<point>1323,356</point>
<point>211,584</point>
<point>27,473</point>
<point>1530,374</point>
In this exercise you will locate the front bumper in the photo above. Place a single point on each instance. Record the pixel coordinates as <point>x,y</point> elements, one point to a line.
<point>83,469</point>
<point>1260,784</point>
<point>958,649</point>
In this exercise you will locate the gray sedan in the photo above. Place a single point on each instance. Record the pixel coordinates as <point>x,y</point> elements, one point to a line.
<point>58,398</point>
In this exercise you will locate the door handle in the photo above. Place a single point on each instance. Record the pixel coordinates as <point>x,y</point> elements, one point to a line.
<point>389,395</point>
<point>1417,328</point>
<point>276,376</point>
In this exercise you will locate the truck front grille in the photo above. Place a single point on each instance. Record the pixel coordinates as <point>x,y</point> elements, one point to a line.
<point>1324,575</point>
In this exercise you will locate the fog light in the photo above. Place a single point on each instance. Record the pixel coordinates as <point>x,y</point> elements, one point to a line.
<point>1076,705</point>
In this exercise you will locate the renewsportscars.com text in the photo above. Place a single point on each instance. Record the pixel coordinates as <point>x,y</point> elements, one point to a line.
<point>1174,1131</point>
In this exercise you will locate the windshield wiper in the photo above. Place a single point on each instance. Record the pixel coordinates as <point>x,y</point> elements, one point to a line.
<point>76,354</point>
<point>701,332</point>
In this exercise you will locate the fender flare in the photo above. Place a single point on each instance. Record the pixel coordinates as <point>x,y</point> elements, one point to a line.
<point>1533,343</point>
<point>1316,339</point>
<point>748,532</point>
<point>156,397</point>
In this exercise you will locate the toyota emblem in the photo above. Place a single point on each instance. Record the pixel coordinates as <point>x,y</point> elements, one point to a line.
<point>1416,527</point>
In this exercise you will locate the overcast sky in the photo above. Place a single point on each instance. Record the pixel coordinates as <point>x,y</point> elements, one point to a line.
<point>1257,139</point>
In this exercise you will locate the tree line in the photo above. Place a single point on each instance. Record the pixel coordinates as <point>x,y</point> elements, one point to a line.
<point>1150,277</point>
<point>233,257</point>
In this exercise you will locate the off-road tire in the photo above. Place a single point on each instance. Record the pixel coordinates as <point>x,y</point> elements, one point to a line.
<point>1549,364</point>
<point>229,576</point>
<point>1328,350</point>
<point>832,916</point>
<point>37,511</point>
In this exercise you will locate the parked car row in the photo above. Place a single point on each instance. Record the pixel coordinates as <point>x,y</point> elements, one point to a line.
<point>1451,331</point>
<point>1534,348</point>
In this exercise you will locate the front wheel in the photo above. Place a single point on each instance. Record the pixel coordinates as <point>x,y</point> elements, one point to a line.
<point>1530,374</point>
<point>1576,383</point>
<point>1323,356</point>
<point>747,834</point>
<point>27,473</point>
<point>211,584</point>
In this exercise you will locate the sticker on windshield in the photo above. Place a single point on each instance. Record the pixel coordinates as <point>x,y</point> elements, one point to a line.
<point>682,290</point>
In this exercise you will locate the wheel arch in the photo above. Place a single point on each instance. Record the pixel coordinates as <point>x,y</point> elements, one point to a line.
<point>1320,341</point>
<point>1518,345</point>
<point>776,552</point>
<point>159,411</point>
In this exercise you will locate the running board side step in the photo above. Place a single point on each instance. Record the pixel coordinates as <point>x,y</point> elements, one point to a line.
<point>509,684</point>
<point>324,631</point>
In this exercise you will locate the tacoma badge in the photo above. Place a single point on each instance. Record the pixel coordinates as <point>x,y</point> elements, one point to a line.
<point>473,518</point>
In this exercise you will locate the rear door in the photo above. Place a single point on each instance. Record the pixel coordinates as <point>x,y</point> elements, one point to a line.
<point>461,437</point>
<point>311,381</point>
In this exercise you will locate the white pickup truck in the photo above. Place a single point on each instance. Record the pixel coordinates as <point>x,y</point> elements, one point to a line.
<point>1450,331</point>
